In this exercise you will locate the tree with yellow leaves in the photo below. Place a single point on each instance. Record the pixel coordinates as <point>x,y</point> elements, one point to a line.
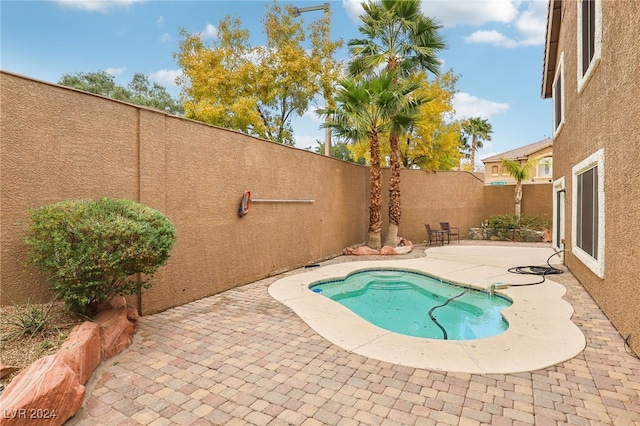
<point>434,143</point>
<point>254,89</point>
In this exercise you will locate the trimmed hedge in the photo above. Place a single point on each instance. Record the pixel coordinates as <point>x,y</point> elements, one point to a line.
<point>511,221</point>
<point>91,250</point>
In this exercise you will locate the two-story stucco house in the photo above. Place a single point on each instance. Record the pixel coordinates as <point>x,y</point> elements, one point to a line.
<point>539,154</point>
<point>591,72</point>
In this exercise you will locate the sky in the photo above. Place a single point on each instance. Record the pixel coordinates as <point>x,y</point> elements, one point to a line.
<point>496,47</point>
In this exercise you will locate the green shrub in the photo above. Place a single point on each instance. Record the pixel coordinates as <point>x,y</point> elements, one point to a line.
<point>537,223</point>
<point>92,249</point>
<point>503,221</point>
<point>511,221</point>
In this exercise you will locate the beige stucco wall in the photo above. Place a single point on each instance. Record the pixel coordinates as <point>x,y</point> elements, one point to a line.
<point>605,115</point>
<point>434,197</point>
<point>536,200</point>
<point>58,143</point>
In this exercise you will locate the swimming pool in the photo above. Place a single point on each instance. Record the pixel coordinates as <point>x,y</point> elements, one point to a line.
<point>416,304</point>
<point>540,331</point>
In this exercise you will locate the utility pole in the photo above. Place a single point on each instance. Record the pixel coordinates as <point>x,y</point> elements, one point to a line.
<point>297,11</point>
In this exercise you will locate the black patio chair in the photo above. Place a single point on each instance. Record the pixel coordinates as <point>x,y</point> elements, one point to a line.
<point>434,235</point>
<point>450,231</point>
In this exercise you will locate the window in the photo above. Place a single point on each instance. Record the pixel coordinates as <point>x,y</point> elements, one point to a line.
<point>558,96</point>
<point>588,212</point>
<point>589,38</point>
<point>494,170</point>
<point>544,167</point>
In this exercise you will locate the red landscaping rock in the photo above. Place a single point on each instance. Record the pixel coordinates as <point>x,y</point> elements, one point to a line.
<point>46,393</point>
<point>116,331</point>
<point>132,315</point>
<point>361,251</point>
<point>115,302</point>
<point>387,250</point>
<point>82,350</point>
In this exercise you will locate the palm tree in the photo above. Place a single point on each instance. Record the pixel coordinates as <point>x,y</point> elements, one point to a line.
<point>365,109</point>
<point>479,130</point>
<point>401,38</point>
<point>519,172</point>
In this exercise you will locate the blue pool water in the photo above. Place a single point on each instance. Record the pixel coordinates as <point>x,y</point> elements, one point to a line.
<point>401,301</point>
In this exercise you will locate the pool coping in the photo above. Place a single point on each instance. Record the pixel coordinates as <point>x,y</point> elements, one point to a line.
<point>540,332</point>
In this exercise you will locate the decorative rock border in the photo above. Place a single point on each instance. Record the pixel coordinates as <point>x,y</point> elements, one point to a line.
<point>505,234</point>
<point>51,389</point>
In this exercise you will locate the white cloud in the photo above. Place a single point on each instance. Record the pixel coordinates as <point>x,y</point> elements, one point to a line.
<point>491,37</point>
<point>451,13</point>
<point>470,12</point>
<point>354,9</point>
<point>165,38</point>
<point>469,106</point>
<point>530,26</point>
<point>166,78</point>
<point>160,21</point>
<point>210,31</point>
<point>115,71</point>
<point>96,6</point>
<point>532,23</point>
<point>527,18</point>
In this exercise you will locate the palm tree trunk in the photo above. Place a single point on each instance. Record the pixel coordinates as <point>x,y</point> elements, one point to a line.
<point>518,198</point>
<point>375,203</point>
<point>395,208</point>
<point>474,145</point>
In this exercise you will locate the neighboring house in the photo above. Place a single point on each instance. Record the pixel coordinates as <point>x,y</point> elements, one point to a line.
<point>539,153</point>
<point>591,72</point>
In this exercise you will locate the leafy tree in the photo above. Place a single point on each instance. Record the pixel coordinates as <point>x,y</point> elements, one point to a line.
<point>217,81</point>
<point>519,172</point>
<point>255,90</point>
<point>341,151</point>
<point>152,95</point>
<point>139,92</point>
<point>365,109</point>
<point>405,41</point>
<point>479,130</point>
<point>433,143</point>
<point>92,249</point>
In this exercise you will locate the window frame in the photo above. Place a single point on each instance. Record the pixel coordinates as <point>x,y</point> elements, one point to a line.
<point>596,265</point>
<point>585,76</point>
<point>559,78</point>
<point>546,161</point>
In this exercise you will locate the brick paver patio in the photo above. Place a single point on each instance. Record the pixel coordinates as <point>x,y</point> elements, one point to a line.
<point>242,358</point>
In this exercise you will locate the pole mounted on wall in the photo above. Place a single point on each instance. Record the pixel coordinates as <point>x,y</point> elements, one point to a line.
<point>246,200</point>
<point>297,11</point>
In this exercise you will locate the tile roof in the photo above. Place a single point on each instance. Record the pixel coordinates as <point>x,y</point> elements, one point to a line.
<point>521,152</point>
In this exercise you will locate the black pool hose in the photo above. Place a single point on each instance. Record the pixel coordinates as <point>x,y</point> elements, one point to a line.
<point>433,318</point>
<point>534,270</point>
